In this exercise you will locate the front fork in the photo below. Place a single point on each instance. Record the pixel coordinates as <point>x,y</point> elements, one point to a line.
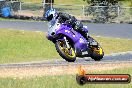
<point>67,45</point>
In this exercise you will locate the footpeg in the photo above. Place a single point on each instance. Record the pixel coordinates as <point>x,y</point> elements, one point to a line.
<point>93,43</point>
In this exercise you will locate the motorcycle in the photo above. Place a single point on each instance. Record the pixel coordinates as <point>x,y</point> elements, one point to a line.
<point>71,44</point>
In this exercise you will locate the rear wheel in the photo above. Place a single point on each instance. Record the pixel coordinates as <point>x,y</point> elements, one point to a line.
<point>66,53</point>
<point>96,51</point>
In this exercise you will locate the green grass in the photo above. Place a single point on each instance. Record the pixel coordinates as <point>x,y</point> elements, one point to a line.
<point>33,1</point>
<point>70,2</point>
<point>66,81</point>
<point>17,46</point>
<point>58,1</point>
<point>114,45</point>
<point>23,46</point>
<point>80,2</point>
<point>126,3</point>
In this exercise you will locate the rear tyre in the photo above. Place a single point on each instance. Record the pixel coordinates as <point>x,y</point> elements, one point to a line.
<point>96,51</point>
<point>63,51</point>
<point>96,56</point>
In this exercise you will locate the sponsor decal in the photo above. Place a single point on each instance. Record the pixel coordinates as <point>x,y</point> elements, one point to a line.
<point>83,78</point>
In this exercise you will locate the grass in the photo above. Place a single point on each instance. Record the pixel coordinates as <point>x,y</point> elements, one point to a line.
<point>126,3</point>
<point>80,2</point>
<point>23,46</point>
<point>33,1</point>
<point>69,2</point>
<point>114,45</point>
<point>66,81</point>
<point>58,1</point>
<point>17,46</point>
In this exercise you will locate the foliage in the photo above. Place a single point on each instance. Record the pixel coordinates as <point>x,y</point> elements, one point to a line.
<point>109,1</point>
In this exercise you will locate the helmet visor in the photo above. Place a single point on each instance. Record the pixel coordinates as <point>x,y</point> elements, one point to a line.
<point>50,17</point>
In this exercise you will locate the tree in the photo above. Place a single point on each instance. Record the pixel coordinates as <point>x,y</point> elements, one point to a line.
<point>102,14</point>
<point>109,1</point>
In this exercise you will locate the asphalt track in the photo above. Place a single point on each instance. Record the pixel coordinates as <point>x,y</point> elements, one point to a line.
<point>107,30</point>
<point>113,58</point>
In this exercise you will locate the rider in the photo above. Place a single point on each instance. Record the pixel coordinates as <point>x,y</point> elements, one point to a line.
<point>63,17</point>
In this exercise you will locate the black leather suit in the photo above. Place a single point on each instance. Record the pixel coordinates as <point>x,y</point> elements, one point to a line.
<point>76,25</point>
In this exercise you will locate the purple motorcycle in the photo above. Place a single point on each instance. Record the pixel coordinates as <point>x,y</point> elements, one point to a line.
<point>71,44</point>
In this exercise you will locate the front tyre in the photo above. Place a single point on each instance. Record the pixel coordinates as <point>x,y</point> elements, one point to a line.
<point>67,53</point>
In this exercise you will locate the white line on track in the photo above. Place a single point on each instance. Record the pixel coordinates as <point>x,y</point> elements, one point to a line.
<point>119,53</point>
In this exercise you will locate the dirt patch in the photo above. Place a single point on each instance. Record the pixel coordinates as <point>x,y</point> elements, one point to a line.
<point>30,72</point>
<point>29,13</point>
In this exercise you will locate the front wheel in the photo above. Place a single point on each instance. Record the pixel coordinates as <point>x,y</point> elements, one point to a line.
<point>67,53</point>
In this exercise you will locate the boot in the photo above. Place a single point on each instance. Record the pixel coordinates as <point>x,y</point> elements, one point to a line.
<point>92,42</point>
<point>86,35</point>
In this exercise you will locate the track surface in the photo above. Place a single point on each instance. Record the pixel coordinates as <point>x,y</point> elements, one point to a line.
<point>114,58</point>
<point>107,30</point>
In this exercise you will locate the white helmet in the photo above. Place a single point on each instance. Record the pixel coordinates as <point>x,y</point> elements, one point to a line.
<point>50,14</point>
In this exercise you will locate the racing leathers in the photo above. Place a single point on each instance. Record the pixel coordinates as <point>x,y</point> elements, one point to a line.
<point>76,25</point>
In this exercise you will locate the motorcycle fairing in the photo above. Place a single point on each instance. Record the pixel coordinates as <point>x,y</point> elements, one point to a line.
<point>80,43</point>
